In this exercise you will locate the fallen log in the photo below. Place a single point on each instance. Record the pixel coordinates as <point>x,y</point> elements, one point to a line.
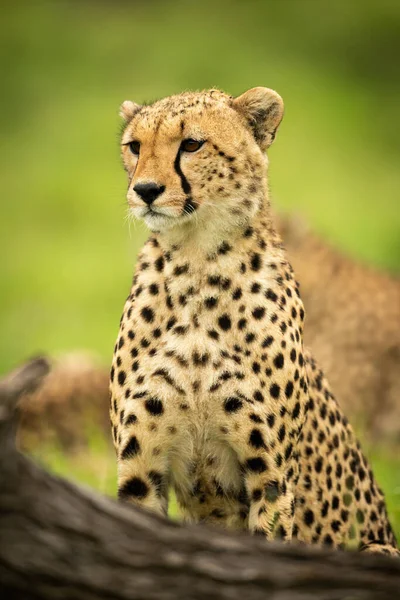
<point>61,541</point>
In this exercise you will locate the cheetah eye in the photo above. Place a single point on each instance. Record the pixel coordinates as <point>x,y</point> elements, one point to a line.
<point>191,145</point>
<point>134,147</point>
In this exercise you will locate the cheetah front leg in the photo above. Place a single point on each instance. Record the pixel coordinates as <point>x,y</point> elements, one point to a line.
<point>143,464</point>
<point>271,499</point>
<point>269,477</point>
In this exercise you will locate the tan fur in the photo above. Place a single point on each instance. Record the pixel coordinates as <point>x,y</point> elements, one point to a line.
<point>353,327</point>
<point>211,391</point>
<point>69,405</point>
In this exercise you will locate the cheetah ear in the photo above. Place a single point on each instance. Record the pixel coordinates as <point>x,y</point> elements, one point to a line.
<point>128,110</point>
<point>263,110</point>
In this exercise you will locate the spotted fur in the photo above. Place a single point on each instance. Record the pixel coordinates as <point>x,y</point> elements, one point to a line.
<point>353,327</point>
<point>212,392</point>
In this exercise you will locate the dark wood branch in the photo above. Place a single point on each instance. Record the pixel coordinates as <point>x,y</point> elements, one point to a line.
<point>60,541</point>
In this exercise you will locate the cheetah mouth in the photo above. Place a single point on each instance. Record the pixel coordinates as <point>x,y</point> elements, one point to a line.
<point>155,214</point>
<point>157,219</point>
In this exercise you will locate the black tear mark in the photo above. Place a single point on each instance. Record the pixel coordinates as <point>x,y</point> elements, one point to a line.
<point>177,165</point>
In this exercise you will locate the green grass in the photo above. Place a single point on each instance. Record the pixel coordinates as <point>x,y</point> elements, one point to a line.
<point>94,465</point>
<point>386,466</point>
<point>67,256</point>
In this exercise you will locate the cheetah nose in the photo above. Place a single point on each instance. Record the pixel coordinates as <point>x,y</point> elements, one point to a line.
<point>148,191</point>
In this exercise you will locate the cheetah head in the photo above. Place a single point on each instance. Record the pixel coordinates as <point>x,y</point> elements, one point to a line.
<point>198,157</point>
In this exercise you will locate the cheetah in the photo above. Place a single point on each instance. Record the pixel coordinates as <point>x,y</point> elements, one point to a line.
<point>353,327</point>
<point>211,391</point>
<point>70,402</point>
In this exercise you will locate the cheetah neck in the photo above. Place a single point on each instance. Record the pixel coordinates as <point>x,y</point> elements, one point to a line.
<point>206,237</point>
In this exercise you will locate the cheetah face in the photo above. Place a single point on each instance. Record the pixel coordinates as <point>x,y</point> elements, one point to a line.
<point>198,157</point>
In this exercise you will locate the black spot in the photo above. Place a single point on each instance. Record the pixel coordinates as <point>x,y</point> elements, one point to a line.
<point>318,465</point>
<point>289,389</point>
<point>255,262</point>
<point>232,405</point>
<point>267,342</point>
<point>256,439</point>
<point>200,359</point>
<point>210,302</point>
<point>296,410</point>
<point>214,280</point>
<point>335,525</point>
<point>308,517</point>
<point>159,263</point>
<point>237,294</point>
<point>258,312</point>
<point>274,390</point>
<point>279,361</point>
<point>213,334</point>
<point>242,323</point>
<point>181,269</point>
<point>271,420</point>
<point>147,314</point>
<point>255,288</point>
<point>255,418</point>
<point>224,322</point>
<point>271,295</point>
<point>133,488</point>
<point>328,541</point>
<point>121,377</point>
<point>344,515</point>
<point>181,329</point>
<point>256,465</point>
<point>130,419</point>
<point>171,322</point>
<point>256,495</point>
<point>258,396</point>
<point>154,406</point>
<point>153,289</point>
<point>224,248</point>
<point>131,449</point>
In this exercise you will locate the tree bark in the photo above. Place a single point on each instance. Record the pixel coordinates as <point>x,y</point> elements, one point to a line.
<point>61,541</point>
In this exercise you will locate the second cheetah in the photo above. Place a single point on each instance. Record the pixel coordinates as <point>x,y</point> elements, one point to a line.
<point>353,328</point>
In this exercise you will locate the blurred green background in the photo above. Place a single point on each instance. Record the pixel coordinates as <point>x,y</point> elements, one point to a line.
<point>67,254</point>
